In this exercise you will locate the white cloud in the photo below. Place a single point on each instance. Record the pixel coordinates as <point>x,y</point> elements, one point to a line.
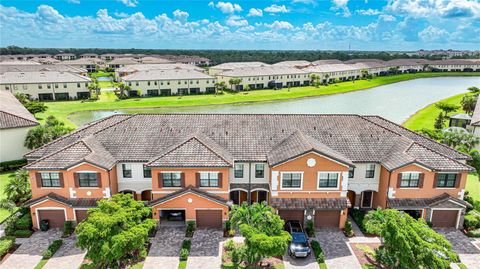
<point>227,7</point>
<point>129,3</point>
<point>276,9</point>
<point>441,8</point>
<point>341,5</point>
<point>312,2</point>
<point>211,4</point>
<point>121,14</point>
<point>180,15</point>
<point>278,25</point>
<point>368,12</point>
<point>386,17</point>
<point>255,12</point>
<point>236,21</point>
<point>432,34</point>
<point>73,1</point>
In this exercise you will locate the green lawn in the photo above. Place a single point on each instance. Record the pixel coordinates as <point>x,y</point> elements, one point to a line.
<point>61,110</point>
<point>41,264</point>
<point>425,118</point>
<point>182,265</point>
<point>105,84</point>
<point>4,178</point>
<point>231,265</point>
<point>473,186</point>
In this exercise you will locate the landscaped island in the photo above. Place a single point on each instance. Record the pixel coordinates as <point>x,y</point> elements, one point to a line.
<point>108,101</point>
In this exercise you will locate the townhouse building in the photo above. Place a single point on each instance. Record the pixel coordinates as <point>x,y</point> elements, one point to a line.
<point>130,69</point>
<point>89,55</point>
<point>90,64</point>
<point>46,86</point>
<point>65,56</point>
<point>213,70</point>
<point>15,122</point>
<point>41,68</point>
<point>169,82</point>
<point>333,72</point>
<point>121,62</point>
<point>265,77</point>
<point>194,167</point>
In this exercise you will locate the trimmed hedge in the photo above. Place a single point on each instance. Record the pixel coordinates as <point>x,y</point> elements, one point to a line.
<point>12,165</point>
<point>54,246</point>
<point>67,228</point>
<point>358,216</point>
<point>474,233</point>
<point>190,228</point>
<point>6,243</point>
<point>22,233</point>
<point>24,222</point>
<point>185,251</point>
<point>318,252</point>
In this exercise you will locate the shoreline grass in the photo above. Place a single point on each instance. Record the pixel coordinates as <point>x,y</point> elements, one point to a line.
<point>63,109</point>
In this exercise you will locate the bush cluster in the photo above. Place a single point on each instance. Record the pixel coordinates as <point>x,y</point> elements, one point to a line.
<point>19,226</point>
<point>12,165</point>
<point>318,251</point>
<point>185,251</point>
<point>54,246</point>
<point>190,228</point>
<point>348,228</point>
<point>358,216</point>
<point>6,243</point>
<point>67,228</point>
<point>310,229</point>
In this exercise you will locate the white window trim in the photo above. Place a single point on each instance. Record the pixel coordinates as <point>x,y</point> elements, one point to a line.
<point>409,172</point>
<point>291,172</point>
<point>328,172</point>
<point>209,172</point>
<point>49,208</point>
<point>448,188</point>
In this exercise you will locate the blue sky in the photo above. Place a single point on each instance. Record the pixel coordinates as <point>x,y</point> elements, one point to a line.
<point>243,24</point>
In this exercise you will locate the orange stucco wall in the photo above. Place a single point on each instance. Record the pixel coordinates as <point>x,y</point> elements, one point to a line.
<point>428,190</point>
<point>49,204</point>
<point>190,179</point>
<point>310,176</point>
<point>380,197</point>
<point>198,202</point>
<point>68,178</point>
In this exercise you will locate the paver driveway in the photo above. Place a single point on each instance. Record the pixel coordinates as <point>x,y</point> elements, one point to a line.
<point>336,250</point>
<point>165,249</point>
<point>206,249</point>
<point>463,246</point>
<point>29,253</point>
<point>304,263</point>
<point>68,256</point>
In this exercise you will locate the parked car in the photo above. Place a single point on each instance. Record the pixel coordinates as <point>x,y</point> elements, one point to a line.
<point>299,246</point>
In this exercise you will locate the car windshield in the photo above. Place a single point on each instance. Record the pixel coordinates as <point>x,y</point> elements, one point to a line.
<point>299,238</point>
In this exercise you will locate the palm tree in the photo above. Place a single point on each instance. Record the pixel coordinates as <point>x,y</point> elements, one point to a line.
<point>36,137</point>
<point>364,73</point>
<point>219,86</point>
<point>468,103</point>
<point>474,90</point>
<point>17,190</point>
<point>315,79</point>
<point>234,81</point>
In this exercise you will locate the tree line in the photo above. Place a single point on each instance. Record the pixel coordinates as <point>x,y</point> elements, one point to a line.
<point>223,56</point>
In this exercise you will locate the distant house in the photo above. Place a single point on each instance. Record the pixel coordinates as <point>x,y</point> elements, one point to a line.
<point>460,120</point>
<point>474,126</point>
<point>15,121</point>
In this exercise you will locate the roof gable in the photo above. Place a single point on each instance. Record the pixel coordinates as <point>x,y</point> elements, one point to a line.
<point>13,114</point>
<point>188,189</point>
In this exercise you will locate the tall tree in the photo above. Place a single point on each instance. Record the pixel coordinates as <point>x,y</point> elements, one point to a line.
<point>446,107</point>
<point>42,134</point>
<point>234,82</point>
<point>17,190</point>
<point>115,230</point>
<point>468,103</point>
<point>474,90</point>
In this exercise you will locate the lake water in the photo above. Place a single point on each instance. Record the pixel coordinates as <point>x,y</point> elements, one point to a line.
<point>395,102</point>
<point>103,78</point>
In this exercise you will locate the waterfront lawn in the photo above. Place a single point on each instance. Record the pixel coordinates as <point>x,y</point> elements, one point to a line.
<point>473,186</point>
<point>4,178</point>
<point>61,110</point>
<point>425,118</point>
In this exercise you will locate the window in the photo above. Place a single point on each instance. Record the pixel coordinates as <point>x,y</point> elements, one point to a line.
<point>127,170</point>
<point>208,179</point>
<point>327,180</point>
<point>351,172</point>
<point>238,170</point>
<point>87,180</point>
<point>171,179</point>
<point>50,179</point>
<point>409,180</point>
<point>259,170</point>
<point>78,85</point>
<point>370,173</point>
<point>147,172</point>
<point>64,85</point>
<point>292,180</point>
<point>446,180</point>
<point>40,86</point>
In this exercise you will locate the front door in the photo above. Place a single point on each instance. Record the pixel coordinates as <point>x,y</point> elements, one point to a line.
<point>367,199</point>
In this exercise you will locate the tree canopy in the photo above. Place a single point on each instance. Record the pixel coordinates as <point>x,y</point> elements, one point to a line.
<point>17,190</point>
<point>408,243</point>
<point>42,134</point>
<point>115,231</point>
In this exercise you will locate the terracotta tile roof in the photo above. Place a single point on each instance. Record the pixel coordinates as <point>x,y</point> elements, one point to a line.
<point>298,144</point>
<point>310,203</point>
<point>256,137</point>
<point>423,202</point>
<point>71,202</point>
<point>12,113</point>
<point>188,189</point>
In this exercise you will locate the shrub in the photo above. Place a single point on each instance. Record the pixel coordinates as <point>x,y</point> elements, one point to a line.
<point>229,245</point>
<point>228,225</point>
<point>238,253</point>
<point>358,216</point>
<point>471,222</point>
<point>318,252</point>
<point>24,222</point>
<point>310,229</point>
<point>190,228</point>
<point>67,228</point>
<point>12,165</point>
<point>6,243</point>
<point>185,251</point>
<point>231,232</point>
<point>186,244</point>
<point>22,233</point>
<point>348,228</point>
<point>54,246</point>
<point>474,233</point>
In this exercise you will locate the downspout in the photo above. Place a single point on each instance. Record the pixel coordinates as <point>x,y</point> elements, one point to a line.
<point>249,194</point>
<point>388,186</point>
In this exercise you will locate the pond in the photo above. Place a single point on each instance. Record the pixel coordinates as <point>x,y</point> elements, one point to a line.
<point>103,78</point>
<point>395,102</point>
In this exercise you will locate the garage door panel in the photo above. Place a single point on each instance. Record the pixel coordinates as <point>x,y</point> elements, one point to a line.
<point>80,215</point>
<point>287,215</point>
<point>209,218</point>
<point>327,218</point>
<point>444,218</point>
<point>56,218</point>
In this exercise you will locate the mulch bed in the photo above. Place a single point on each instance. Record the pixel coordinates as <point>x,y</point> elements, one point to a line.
<point>265,264</point>
<point>364,259</point>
